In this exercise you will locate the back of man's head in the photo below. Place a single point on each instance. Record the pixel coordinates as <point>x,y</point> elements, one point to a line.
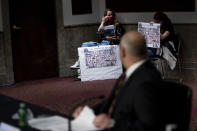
<point>134,44</point>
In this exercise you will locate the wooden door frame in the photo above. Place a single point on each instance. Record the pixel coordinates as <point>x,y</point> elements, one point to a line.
<point>7,77</point>
<point>34,47</point>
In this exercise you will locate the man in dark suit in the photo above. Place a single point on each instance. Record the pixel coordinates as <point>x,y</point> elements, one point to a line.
<point>132,104</point>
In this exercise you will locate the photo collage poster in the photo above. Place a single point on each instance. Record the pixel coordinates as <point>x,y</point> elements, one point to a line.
<point>151,31</point>
<point>100,62</point>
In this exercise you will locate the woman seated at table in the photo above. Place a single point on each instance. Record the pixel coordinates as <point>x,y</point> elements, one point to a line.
<point>109,31</point>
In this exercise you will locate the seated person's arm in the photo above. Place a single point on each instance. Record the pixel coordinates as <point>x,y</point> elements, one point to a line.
<point>164,35</point>
<point>100,30</point>
<point>118,33</point>
<point>104,19</point>
<point>100,107</point>
<point>111,38</point>
<point>114,40</point>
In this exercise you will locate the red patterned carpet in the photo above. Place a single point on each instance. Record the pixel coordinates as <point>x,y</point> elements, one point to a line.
<point>64,94</point>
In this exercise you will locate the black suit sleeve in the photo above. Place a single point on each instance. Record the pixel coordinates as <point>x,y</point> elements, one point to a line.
<point>145,109</point>
<point>99,107</point>
<point>103,107</point>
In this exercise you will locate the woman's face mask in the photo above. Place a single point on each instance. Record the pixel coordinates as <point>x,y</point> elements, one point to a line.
<point>110,19</point>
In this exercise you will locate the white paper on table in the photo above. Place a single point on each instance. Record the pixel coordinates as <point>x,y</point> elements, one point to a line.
<point>84,122</point>
<point>7,127</point>
<point>53,123</point>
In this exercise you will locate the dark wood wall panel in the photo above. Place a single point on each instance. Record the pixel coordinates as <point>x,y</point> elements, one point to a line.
<point>151,5</point>
<point>81,7</point>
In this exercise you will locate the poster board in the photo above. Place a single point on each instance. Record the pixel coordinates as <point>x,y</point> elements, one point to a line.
<point>151,31</point>
<point>100,62</point>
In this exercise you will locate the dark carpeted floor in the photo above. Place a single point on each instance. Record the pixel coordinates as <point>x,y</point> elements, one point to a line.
<point>64,94</point>
<point>60,94</point>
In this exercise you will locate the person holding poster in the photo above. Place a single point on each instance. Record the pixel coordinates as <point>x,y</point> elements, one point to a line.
<point>167,40</point>
<point>109,32</point>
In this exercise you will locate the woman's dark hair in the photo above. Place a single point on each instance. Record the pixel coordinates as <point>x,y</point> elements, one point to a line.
<point>161,17</point>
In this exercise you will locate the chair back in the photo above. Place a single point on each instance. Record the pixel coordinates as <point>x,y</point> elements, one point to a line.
<point>178,43</point>
<point>175,103</point>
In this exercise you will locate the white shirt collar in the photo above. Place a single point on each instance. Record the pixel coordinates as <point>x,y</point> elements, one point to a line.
<point>133,67</point>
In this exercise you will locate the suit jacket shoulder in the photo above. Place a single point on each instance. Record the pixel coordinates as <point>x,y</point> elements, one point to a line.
<point>135,104</point>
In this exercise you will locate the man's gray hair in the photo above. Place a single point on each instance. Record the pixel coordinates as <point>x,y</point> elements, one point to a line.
<point>136,47</point>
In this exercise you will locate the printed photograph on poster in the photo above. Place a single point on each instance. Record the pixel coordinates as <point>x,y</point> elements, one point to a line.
<point>101,57</point>
<point>151,31</point>
<point>99,63</point>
